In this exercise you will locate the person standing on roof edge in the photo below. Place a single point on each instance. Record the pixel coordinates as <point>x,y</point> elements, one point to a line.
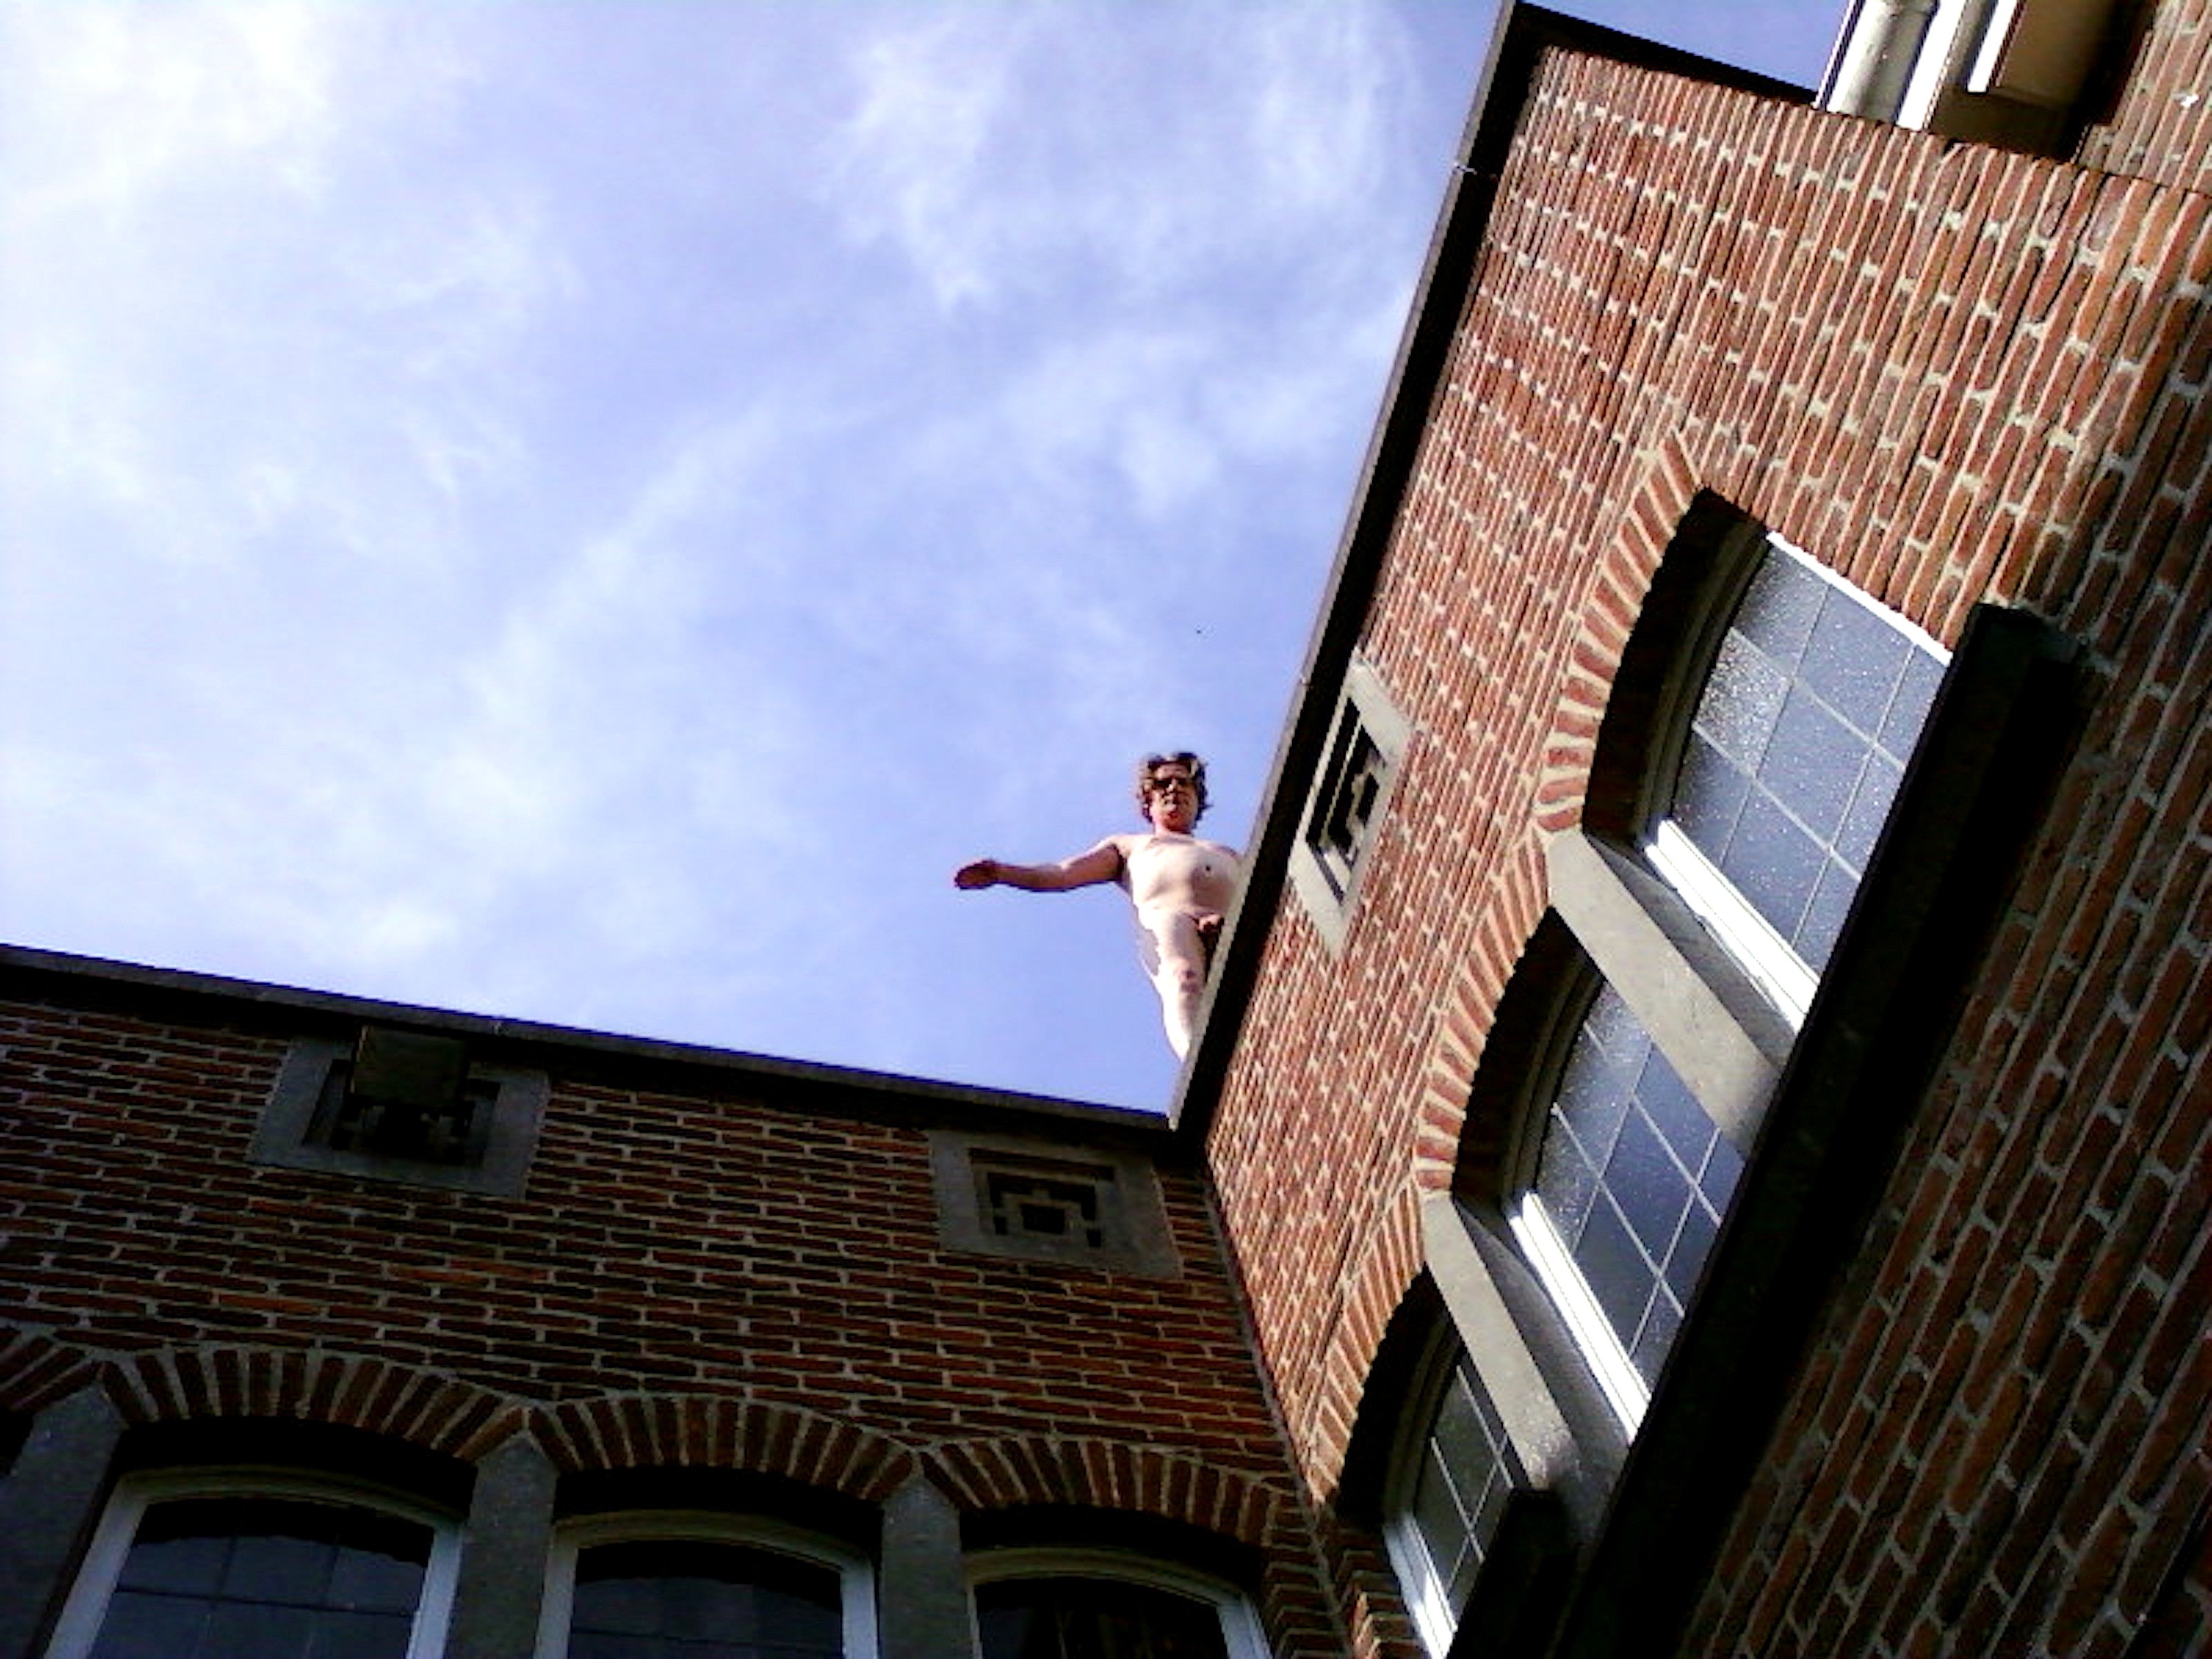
<point>1179,885</point>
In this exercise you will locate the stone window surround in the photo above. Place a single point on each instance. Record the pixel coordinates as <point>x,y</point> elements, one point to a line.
<point>1363,707</point>
<point>282,1138</point>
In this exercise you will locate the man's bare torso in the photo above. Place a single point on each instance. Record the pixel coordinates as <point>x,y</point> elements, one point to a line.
<point>1180,874</point>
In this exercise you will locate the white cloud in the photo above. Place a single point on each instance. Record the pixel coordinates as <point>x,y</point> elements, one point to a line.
<point>1002,152</point>
<point>130,100</point>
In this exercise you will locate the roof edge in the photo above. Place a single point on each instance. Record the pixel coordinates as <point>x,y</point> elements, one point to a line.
<point>31,974</point>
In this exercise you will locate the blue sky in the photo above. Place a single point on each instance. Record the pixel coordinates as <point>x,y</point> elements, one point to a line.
<point>589,512</point>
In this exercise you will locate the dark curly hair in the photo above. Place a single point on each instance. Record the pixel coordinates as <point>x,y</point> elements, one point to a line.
<point>1152,763</point>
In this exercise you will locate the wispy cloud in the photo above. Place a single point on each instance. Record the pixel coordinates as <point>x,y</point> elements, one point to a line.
<point>1010,153</point>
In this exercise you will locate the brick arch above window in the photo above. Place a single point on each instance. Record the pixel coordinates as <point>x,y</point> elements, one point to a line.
<point>1452,1139</point>
<point>426,1409</point>
<point>717,1432</point>
<point>37,1370</point>
<point>1099,1473</point>
<point>1619,597</point>
<point>1656,585</point>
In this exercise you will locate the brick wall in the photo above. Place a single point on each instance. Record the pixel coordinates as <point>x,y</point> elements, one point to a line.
<point>2157,123</point>
<point>692,1280</point>
<point>1955,375</point>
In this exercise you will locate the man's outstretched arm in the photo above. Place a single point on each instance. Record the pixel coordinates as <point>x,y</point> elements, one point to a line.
<point>1103,863</point>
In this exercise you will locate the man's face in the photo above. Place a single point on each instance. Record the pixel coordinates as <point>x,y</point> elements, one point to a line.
<point>1174,799</point>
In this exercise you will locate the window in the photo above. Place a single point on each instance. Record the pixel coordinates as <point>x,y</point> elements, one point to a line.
<point>1054,1604</point>
<point>1766,806</point>
<point>1792,760</point>
<point>1760,726</point>
<point>1700,1071</point>
<point>1632,1181</point>
<point>241,1564</point>
<point>1454,1475</point>
<point>1345,814</point>
<point>402,1105</point>
<point>680,1585</point>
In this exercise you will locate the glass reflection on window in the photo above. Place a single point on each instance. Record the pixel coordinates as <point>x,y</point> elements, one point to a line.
<point>1634,1178</point>
<point>1798,744</point>
<point>1076,1618</point>
<point>673,1599</point>
<point>265,1578</point>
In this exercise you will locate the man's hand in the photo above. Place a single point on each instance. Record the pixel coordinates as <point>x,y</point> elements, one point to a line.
<point>983,872</point>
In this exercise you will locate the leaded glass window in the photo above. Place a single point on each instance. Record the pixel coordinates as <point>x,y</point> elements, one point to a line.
<point>265,1578</point>
<point>1792,756</point>
<point>1454,1474</point>
<point>1795,753</point>
<point>1632,1181</point>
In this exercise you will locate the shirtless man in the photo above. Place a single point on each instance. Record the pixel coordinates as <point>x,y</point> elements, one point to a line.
<point>1180,886</point>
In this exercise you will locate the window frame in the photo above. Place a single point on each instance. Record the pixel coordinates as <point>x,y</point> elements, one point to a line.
<point>85,1610</point>
<point>1824,1106</point>
<point>1435,1621</point>
<point>856,1572</point>
<point>1781,975</point>
<point>1718,992</point>
<point>1241,1633</point>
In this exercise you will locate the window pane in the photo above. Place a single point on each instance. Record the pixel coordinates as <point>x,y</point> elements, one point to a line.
<point>265,1578</point>
<point>143,1626</point>
<point>1449,1498</point>
<point>1076,1618</point>
<point>666,1599</point>
<point>1853,660</point>
<point>1801,733</point>
<point>1641,1241</point>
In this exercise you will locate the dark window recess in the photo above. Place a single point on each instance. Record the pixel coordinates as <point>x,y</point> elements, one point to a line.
<point>669,1599</point>
<point>400,1105</point>
<point>402,1095</point>
<point>1347,818</point>
<point>1070,1617</point>
<point>1063,1202</point>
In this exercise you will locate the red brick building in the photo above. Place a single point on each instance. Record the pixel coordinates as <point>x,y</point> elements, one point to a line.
<point>1699,1142</point>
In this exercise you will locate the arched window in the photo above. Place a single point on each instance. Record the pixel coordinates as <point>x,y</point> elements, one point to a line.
<point>1788,766</point>
<point>259,1565</point>
<point>1451,1479</point>
<point>1630,1181</point>
<point>1753,933</point>
<point>1105,1604</point>
<point>696,1585</point>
